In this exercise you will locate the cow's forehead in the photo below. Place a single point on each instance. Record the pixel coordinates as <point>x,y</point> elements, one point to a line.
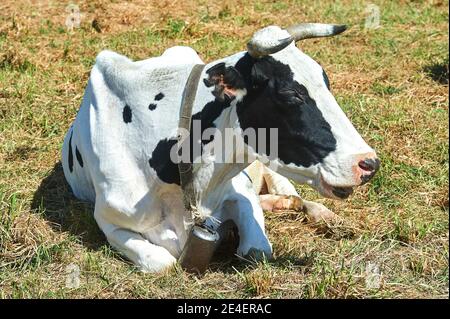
<point>299,62</point>
<point>305,69</point>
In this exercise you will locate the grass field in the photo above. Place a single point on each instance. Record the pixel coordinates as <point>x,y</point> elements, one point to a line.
<point>391,81</point>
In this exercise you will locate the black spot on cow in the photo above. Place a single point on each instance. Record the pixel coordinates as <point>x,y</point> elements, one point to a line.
<point>275,100</point>
<point>159,96</point>
<point>325,79</point>
<point>210,113</point>
<point>70,160</point>
<point>160,161</point>
<point>78,155</point>
<point>127,114</point>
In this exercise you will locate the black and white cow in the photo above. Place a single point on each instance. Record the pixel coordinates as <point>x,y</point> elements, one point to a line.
<point>116,154</point>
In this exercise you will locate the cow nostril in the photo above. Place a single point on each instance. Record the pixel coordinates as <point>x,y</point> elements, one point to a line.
<point>369,165</point>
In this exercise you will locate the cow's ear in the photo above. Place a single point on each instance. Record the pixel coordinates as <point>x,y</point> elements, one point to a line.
<point>226,81</point>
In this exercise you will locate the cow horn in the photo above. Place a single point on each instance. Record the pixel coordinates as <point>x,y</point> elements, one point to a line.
<point>314,30</point>
<point>261,44</point>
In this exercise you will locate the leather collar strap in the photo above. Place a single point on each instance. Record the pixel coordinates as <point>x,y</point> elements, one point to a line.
<point>186,169</point>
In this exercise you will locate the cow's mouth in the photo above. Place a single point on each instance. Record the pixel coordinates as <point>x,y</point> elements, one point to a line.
<point>342,192</point>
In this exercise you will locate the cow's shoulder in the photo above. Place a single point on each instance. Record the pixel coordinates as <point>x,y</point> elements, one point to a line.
<point>182,54</point>
<point>111,63</point>
<point>107,59</point>
<point>130,79</point>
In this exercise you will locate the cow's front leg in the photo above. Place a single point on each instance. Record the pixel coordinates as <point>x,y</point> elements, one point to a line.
<point>146,256</point>
<point>317,212</point>
<point>272,202</point>
<point>243,208</point>
<point>282,195</point>
<point>249,219</point>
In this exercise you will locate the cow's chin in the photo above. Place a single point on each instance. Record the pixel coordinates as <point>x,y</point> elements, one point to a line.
<point>317,182</point>
<point>334,192</point>
<point>312,176</point>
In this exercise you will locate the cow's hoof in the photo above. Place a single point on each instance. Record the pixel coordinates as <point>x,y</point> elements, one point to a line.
<point>255,254</point>
<point>318,213</point>
<point>157,263</point>
<point>272,202</point>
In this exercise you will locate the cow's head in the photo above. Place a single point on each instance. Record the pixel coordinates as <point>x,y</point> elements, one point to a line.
<point>286,89</point>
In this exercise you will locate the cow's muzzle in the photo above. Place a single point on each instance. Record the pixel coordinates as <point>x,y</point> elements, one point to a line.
<point>368,167</point>
<point>363,170</point>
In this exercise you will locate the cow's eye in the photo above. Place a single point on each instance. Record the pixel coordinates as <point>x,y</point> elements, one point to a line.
<point>291,96</point>
<point>300,96</point>
<point>299,100</point>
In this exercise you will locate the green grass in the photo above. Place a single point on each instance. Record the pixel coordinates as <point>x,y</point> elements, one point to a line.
<point>392,82</point>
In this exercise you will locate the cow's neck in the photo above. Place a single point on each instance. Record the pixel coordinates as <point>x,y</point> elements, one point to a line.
<point>212,174</point>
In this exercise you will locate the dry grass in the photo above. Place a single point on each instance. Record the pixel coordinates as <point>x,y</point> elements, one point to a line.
<point>391,81</point>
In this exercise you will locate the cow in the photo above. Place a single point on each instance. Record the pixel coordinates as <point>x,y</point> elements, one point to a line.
<point>116,154</point>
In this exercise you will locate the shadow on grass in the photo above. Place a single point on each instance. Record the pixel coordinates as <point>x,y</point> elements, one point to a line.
<point>226,261</point>
<point>55,201</point>
<point>235,264</point>
<point>438,71</point>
